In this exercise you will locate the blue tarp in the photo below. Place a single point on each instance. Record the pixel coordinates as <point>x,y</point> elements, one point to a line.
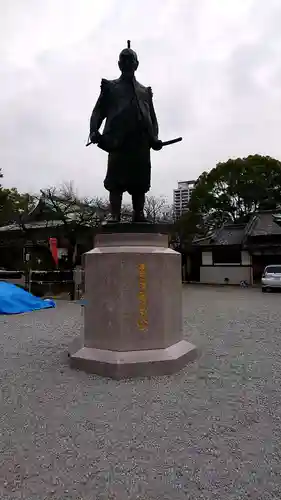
<point>15,300</point>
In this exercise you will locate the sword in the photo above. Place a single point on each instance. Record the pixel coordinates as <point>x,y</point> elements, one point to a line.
<point>165,143</point>
<point>172,141</point>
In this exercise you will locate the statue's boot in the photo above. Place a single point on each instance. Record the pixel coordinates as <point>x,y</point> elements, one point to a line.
<point>115,200</point>
<point>138,201</point>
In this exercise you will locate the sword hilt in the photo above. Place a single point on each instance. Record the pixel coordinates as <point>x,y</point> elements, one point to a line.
<point>172,141</point>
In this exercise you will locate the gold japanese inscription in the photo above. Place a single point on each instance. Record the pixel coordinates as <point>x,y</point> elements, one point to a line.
<point>143,320</point>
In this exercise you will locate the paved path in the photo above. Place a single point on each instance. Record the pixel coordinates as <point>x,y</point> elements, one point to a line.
<point>209,432</point>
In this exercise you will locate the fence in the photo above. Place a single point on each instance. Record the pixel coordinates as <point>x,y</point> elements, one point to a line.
<point>42,282</point>
<point>14,277</point>
<point>79,282</point>
<point>57,282</point>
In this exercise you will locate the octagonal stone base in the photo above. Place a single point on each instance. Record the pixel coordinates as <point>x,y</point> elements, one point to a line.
<point>133,310</point>
<point>116,364</point>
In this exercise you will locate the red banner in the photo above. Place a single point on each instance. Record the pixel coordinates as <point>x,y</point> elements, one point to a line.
<point>53,242</point>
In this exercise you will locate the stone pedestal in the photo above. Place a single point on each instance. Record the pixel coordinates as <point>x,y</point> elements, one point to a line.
<point>133,310</point>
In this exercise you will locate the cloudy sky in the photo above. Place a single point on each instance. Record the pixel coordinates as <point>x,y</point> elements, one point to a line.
<point>214,67</point>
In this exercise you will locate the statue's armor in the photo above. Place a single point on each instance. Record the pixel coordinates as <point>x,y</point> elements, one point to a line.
<point>126,110</point>
<point>130,127</point>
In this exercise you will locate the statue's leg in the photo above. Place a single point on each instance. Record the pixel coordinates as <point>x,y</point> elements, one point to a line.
<point>138,200</point>
<point>115,200</point>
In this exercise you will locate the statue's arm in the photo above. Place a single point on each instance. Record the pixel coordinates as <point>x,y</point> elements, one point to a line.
<point>153,115</point>
<point>99,112</point>
<point>156,144</point>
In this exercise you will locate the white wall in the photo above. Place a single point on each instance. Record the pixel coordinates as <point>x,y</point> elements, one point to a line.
<point>207,258</point>
<point>217,274</point>
<point>246,258</point>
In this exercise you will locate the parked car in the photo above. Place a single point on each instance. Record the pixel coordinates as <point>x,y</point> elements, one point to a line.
<point>271,278</point>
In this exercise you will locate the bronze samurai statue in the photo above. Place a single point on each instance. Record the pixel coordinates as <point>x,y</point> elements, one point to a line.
<point>130,131</point>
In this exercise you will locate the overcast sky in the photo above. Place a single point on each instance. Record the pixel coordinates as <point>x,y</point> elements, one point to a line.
<point>214,67</point>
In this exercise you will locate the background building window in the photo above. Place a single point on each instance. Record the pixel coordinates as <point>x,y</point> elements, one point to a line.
<point>226,256</point>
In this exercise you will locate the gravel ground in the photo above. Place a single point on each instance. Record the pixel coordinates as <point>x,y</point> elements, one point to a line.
<point>209,432</point>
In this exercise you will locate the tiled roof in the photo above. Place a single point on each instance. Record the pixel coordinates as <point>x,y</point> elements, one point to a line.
<point>263,224</point>
<point>229,234</point>
<point>201,241</point>
<point>66,212</point>
<point>31,225</point>
<point>277,219</point>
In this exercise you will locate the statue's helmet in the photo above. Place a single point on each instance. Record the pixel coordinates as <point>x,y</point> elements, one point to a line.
<point>128,58</point>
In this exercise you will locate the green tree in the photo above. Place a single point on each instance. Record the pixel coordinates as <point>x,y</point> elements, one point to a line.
<point>184,229</point>
<point>14,206</point>
<point>233,190</point>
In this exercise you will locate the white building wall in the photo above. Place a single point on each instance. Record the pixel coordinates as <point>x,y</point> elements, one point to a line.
<point>217,274</point>
<point>207,258</point>
<point>246,258</point>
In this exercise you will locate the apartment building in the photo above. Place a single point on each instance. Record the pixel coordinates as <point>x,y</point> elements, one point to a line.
<point>182,196</point>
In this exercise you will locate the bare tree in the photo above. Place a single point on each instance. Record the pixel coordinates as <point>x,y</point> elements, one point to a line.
<point>126,212</point>
<point>157,209</point>
<point>73,212</point>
